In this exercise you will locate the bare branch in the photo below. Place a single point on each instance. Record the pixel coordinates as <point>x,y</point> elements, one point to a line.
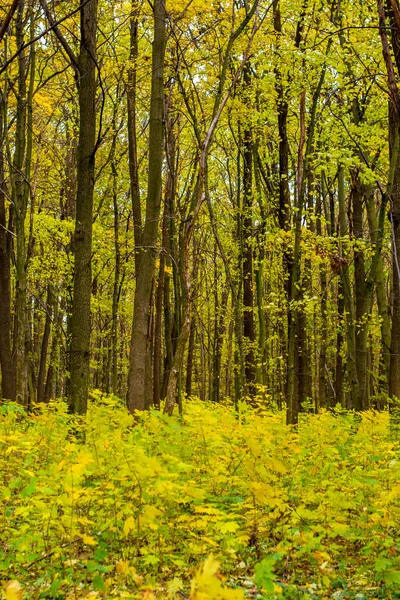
<point>60,37</point>
<point>7,20</point>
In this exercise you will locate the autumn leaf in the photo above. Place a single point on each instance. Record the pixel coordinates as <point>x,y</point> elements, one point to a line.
<point>12,591</point>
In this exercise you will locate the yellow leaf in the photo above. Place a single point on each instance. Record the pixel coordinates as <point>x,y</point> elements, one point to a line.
<point>276,465</point>
<point>228,527</point>
<point>129,525</point>
<point>138,579</point>
<point>12,591</point>
<point>122,567</point>
<point>88,540</point>
<point>174,586</point>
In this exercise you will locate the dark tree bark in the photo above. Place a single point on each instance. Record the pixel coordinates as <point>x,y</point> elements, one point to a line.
<point>190,359</point>
<point>45,345</point>
<point>8,18</point>
<point>145,262</point>
<point>376,233</point>
<point>117,278</point>
<point>6,226</point>
<point>20,188</point>
<point>132,135</point>
<point>392,17</point>
<point>321,363</point>
<point>361,300</point>
<point>249,332</point>
<point>348,300</point>
<point>80,317</point>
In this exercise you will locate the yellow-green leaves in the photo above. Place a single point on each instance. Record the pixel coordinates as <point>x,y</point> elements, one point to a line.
<point>207,584</point>
<point>121,511</point>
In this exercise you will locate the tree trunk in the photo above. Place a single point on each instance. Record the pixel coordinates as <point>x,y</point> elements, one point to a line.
<point>249,332</point>
<point>386,14</point>
<point>80,316</point>
<point>380,285</point>
<point>139,349</point>
<point>190,359</point>
<point>361,300</point>
<point>20,178</point>
<point>116,287</point>
<point>6,362</point>
<point>394,374</point>
<point>352,402</point>
<point>45,345</point>
<point>322,400</point>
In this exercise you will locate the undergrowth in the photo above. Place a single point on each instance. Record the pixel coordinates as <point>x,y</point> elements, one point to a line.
<point>211,505</point>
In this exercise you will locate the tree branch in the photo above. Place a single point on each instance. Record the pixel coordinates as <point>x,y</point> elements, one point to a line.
<point>60,37</point>
<point>7,20</point>
<point>40,35</point>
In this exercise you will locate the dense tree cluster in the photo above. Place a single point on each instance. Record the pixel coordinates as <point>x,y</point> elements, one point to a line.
<point>200,199</point>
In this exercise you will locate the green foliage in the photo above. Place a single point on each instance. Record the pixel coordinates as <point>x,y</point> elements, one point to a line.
<point>109,508</point>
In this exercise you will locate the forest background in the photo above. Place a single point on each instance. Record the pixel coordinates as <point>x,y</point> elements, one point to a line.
<point>231,173</point>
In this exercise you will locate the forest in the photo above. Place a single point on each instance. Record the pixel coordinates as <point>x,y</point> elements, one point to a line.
<point>200,299</point>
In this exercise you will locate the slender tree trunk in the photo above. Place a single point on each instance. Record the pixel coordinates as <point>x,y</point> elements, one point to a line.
<point>190,359</point>
<point>261,372</point>
<point>45,345</point>
<point>168,325</point>
<point>322,400</point>
<point>339,371</point>
<point>361,300</point>
<point>20,195</point>
<point>284,193</point>
<point>394,374</point>
<point>348,302</point>
<point>249,332</point>
<point>158,327</point>
<point>219,331</point>
<point>116,287</point>
<point>6,362</point>
<point>164,259</point>
<point>54,368</point>
<point>132,134</point>
<point>380,286</point>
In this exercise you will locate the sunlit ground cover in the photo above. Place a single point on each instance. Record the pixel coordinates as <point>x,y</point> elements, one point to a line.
<point>211,505</point>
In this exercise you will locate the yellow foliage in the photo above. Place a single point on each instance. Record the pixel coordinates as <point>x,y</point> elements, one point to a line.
<point>207,584</point>
<point>12,591</point>
<point>132,508</point>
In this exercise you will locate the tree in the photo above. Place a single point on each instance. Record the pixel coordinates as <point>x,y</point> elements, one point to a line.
<point>146,242</point>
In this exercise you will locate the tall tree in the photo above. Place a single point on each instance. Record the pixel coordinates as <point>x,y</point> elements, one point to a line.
<point>80,316</point>
<point>147,251</point>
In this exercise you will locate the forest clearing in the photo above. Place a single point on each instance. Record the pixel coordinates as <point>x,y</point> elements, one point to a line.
<point>200,299</point>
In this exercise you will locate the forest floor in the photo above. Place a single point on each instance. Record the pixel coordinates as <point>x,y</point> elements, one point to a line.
<point>211,505</point>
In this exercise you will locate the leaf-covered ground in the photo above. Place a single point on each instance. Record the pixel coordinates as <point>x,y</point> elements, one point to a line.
<point>213,505</point>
